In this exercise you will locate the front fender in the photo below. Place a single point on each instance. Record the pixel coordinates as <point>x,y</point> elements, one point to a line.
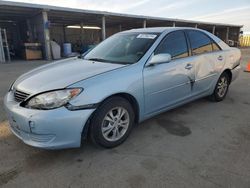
<point>125,80</point>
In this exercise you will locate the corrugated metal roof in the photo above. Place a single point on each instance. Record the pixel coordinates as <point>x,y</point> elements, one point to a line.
<point>105,13</point>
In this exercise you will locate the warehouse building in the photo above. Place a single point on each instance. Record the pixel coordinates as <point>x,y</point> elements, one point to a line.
<point>30,28</point>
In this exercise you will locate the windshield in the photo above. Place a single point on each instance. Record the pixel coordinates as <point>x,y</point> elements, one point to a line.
<point>124,48</point>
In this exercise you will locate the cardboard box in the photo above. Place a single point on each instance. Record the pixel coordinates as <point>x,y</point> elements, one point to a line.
<point>32,51</point>
<point>33,54</point>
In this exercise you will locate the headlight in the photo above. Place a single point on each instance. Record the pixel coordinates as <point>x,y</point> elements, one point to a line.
<point>52,99</point>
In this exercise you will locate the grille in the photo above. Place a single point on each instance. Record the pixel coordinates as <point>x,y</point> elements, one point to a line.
<point>20,96</point>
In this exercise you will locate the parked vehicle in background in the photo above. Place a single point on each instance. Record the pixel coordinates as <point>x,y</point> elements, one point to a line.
<point>129,77</point>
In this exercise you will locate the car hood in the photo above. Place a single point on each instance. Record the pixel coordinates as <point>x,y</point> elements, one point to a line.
<point>61,74</point>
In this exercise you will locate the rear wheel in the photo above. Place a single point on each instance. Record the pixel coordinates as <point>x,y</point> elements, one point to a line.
<point>112,122</point>
<point>221,88</point>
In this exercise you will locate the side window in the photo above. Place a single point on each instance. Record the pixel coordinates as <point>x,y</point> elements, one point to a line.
<point>215,46</point>
<point>174,44</point>
<point>200,43</point>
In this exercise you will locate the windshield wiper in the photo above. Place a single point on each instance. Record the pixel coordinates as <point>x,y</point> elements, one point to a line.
<point>106,61</point>
<point>97,59</point>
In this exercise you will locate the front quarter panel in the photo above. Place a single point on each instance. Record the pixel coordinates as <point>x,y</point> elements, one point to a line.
<point>124,80</point>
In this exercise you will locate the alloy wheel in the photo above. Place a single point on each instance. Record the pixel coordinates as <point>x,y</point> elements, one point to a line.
<point>115,124</point>
<point>222,86</point>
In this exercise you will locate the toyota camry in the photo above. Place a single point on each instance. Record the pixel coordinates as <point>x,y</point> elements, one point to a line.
<point>126,79</point>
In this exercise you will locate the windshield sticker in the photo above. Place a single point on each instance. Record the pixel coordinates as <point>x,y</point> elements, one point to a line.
<point>146,36</point>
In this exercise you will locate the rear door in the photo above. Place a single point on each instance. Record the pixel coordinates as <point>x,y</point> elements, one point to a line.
<point>169,83</point>
<point>208,60</point>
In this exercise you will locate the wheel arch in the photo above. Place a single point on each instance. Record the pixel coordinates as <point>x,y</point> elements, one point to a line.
<point>130,98</point>
<point>229,73</point>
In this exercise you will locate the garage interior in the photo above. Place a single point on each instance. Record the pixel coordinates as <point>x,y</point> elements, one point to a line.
<point>46,32</point>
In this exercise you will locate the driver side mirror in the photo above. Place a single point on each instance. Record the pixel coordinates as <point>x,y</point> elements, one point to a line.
<point>159,58</point>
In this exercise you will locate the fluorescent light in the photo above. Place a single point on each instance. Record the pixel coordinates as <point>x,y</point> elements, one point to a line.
<point>74,26</point>
<point>91,27</point>
<point>84,27</point>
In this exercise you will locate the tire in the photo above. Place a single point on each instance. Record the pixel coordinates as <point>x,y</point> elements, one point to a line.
<point>221,88</point>
<point>107,133</point>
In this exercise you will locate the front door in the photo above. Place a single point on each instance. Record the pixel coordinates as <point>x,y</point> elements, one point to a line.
<point>169,83</point>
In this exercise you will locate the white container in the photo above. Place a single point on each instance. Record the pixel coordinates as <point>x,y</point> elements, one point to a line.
<point>56,50</point>
<point>67,49</point>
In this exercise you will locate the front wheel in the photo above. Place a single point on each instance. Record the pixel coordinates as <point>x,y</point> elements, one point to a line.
<point>221,88</point>
<point>112,122</point>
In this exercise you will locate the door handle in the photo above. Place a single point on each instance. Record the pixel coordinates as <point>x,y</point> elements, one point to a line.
<point>189,66</point>
<point>220,58</point>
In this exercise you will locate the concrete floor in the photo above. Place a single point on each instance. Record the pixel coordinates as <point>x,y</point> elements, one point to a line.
<point>201,144</point>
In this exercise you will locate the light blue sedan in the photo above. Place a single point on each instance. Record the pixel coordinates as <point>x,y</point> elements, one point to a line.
<point>130,77</point>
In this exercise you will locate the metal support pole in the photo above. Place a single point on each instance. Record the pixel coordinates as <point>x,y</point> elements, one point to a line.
<point>238,38</point>
<point>196,26</point>
<point>46,35</point>
<point>173,24</point>
<point>64,33</point>
<point>31,38</point>
<point>6,45</point>
<point>144,25</point>
<point>2,55</point>
<point>214,29</point>
<point>120,27</point>
<point>227,35</point>
<point>103,28</point>
<point>81,33</point>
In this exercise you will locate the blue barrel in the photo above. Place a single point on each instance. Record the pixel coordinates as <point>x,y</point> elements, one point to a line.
<point>67,49</point>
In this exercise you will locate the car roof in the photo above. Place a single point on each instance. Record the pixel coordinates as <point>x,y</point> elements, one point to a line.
<point>161,30</point>
<point>158,29</point>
